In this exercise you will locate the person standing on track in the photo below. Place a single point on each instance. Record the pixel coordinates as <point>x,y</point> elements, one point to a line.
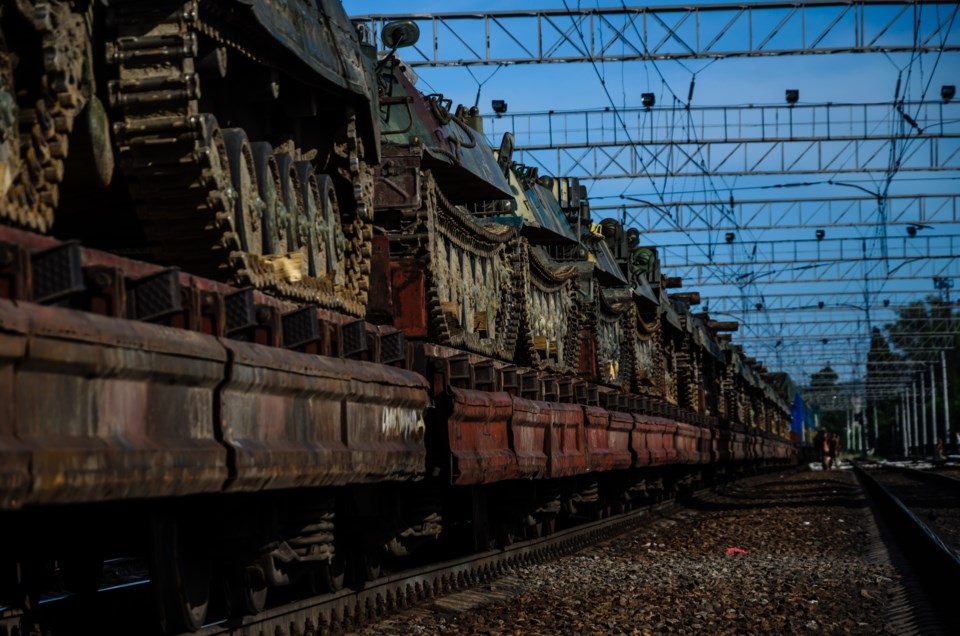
<point>833,450</point>
<point>820,448</point>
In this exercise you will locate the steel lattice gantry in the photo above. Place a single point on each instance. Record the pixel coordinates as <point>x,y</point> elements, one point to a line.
<point>746,29</point>
<point>743,140</point>
<point>783,213</point>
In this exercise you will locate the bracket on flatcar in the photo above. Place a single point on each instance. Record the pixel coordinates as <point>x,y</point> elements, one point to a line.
<point>353,339</point>
<point>154,296</point>
<point>301,329</point>
<point>56,273</point>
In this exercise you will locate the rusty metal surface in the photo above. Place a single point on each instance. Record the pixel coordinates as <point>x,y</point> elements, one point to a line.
<point>479,439</point>
<point>397,179</point>
<point>566,441</point>
<point>658,435</point>
<point>409,287</point>
<point>608,438</point>
<point>687,443</point>
<point>14,456</point>
<point>528,432</point>
<point>116,409</point>
<point>294,419</point>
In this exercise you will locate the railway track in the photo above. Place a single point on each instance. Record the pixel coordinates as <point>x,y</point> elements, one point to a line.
<point>921,513</point>
<point>115,611</point>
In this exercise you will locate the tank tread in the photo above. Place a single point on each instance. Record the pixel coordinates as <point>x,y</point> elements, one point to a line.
<point>554,286</point>
<point>45,117</point>
<point>452,228</point>
<point>176,162</point>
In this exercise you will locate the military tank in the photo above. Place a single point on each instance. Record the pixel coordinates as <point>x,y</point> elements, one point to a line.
<point>243,133</point>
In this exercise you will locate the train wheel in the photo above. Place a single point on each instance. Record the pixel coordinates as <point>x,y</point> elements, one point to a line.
<point>182,572</point>
<point>368,563</point>
<point>248,206</point>
<point>271,193</point>
<point>246,590</point>
<point>329,577</point>
<point>295,214</point>
<point>549,525</point>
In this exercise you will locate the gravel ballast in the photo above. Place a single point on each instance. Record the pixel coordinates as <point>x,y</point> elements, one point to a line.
<point>794,553</point>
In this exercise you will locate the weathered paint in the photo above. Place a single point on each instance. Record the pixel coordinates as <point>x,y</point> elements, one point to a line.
<point>479,438</point>
<point>115,409</point>
<point>608,438</point>
<point>528,434</point>
<point>686,442</point>
<point>14,456</point>
<point>295,419</point>
<point>566,441</point>
<point>639,445</point>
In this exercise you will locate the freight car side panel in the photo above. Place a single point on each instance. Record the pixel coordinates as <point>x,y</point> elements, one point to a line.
<point>566,441</point>
<point>608,438</point>
<point>14,456</point>
<point>479,442</point>
<point>115,409</point>
<point>686,442</point>
<point>528,432</point>
<point>295,420</point>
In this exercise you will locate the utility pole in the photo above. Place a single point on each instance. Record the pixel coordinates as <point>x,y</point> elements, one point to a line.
<point>904,423</point>
<point>916,416</point>
<point>935,430</point>
<point>923,412</point>
<point>946,402</point>
<point>876,431</point>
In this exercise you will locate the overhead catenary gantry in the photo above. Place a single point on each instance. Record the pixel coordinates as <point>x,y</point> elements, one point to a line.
<point>860,249</point>
<point>760,214</point>
<point>738,140</point>
<point>747,29</point>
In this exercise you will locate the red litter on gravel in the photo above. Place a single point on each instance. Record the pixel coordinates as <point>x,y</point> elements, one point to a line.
<point>736,551</point>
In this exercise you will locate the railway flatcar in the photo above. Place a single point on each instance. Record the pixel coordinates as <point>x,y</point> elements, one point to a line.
<point>276,331</point>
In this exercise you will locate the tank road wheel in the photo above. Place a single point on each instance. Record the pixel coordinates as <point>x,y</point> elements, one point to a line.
<point>275,221</point>
<point>248,207</point>
<point>296,218</point>
<point>330,231</point>
<point>313,216</point>
<point>182,571</point>
<point>246,590</point>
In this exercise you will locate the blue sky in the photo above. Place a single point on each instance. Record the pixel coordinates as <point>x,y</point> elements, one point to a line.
<point>819,78</point>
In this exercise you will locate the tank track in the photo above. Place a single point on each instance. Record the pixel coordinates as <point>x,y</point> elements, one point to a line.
<point>613,348</point>
<point>36,131</point>
<point>547,294</point>
<point>176,161</point>
<point>451,228</point>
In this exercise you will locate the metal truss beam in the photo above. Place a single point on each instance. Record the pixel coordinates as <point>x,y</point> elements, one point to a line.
<point>758,157</point>
<point>797,251</point>
<point>738,124</point>
<point>787,213</point>
<point>743,306</point>
<point>677,32</point>
<point>838,271</point>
